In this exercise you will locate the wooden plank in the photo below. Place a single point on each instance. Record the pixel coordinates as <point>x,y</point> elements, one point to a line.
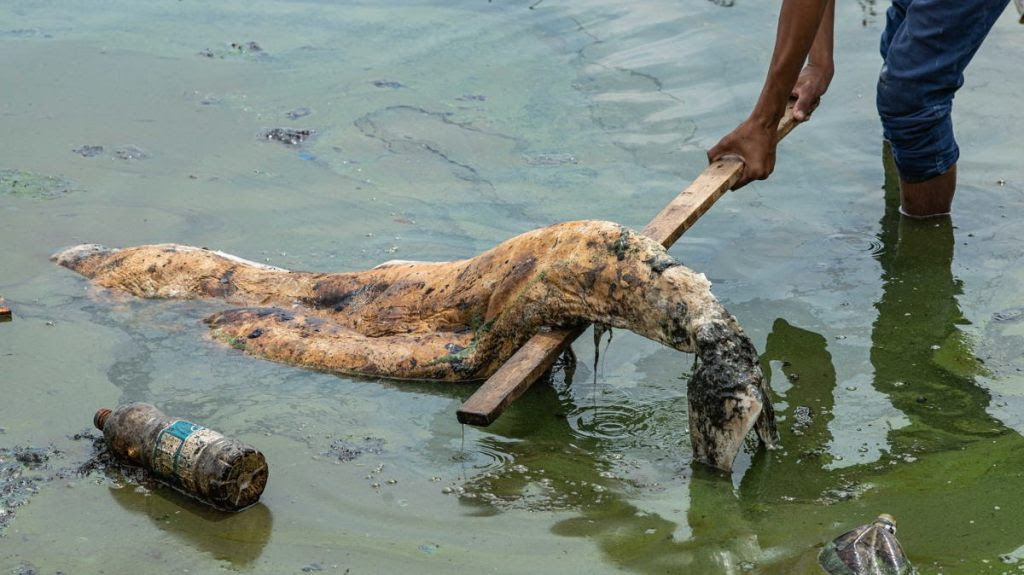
<point>539,353</point>
<point>517,374</point>
<point>693,202</point>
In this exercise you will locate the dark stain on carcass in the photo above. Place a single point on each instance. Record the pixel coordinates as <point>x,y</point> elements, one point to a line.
<point>662,262</point>
<point>621,244</point>
<point>326,297</point>
<point>591,276</point>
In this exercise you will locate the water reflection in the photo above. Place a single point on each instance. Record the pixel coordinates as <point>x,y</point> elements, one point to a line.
<point>238,538</point>
<point>941,474</point>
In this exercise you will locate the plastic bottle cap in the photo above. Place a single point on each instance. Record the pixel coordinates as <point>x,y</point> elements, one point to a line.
<point>100,419</point>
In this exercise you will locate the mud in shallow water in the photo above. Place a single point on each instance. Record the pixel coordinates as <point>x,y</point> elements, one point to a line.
<point>26,471</point>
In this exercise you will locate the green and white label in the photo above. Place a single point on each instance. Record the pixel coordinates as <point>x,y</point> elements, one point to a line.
<point>177,449</point>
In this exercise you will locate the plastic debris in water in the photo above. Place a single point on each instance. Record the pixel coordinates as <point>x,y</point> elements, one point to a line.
<point>200,462</point>
<point>867,550</point>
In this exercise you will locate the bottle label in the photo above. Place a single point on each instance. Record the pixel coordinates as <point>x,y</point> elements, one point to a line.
<point>178,447</point>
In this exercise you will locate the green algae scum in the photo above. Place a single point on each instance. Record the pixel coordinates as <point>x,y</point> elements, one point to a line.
<point>335,136</point>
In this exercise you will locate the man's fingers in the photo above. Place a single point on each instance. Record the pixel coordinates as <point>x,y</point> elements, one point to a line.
<point>730,156</point>
<point>805,104</point>
<point>802,108</point>
<point>716,152</point>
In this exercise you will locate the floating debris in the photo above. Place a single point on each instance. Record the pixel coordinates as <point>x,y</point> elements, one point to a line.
<point>388,84</point>
<point>130,153</point>
<point>346,450</point>
<point>88,151</point>
<point>248,49</point>
<point>847,491</point>
<point>296,113</point>
<point>24,33</point>
<point>551,159</point>
<point>803,416</point>
<point>5,312</point>
<point>1012,314</point>
<point>288,136</point>
<point>429,548</point>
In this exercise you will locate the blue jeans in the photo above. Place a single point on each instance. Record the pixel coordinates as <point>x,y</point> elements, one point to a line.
<point>925,47</point>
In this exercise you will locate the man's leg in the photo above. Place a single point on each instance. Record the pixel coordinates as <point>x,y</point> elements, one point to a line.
<point>926,46</point>
<point>932,197</point>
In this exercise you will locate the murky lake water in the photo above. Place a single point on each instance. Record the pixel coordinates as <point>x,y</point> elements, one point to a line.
<point>442,128</point>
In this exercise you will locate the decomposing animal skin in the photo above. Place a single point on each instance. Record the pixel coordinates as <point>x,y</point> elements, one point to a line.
<point>461,320</point>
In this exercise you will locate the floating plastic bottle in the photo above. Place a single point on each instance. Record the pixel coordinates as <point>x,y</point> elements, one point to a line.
<point>200,462</point>
<point>870,549</point>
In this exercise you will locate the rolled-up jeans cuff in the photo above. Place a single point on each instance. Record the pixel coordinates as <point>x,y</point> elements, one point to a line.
<point>916,168</point>
<point>923,145</point>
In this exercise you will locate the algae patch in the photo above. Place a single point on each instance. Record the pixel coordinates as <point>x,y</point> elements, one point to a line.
<point>19,183</point>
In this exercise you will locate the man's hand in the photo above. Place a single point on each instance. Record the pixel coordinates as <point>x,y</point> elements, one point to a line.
<point>754,143</point>
<point>810,86</point>
<point>804,37</point>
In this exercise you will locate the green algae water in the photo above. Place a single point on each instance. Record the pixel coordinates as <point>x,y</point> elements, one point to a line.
<point>431,131</point>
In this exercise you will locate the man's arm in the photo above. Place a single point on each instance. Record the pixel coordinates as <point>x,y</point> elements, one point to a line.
<point>804,35</point>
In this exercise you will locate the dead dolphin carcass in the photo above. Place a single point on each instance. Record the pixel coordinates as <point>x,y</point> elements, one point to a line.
<point>461,320</point>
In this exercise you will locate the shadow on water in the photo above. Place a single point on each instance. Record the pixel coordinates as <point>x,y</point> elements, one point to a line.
<point>238,538</point>
<point>951,475</point>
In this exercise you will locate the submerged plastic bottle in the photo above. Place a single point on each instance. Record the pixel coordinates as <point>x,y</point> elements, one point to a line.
<point>217,470</point>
